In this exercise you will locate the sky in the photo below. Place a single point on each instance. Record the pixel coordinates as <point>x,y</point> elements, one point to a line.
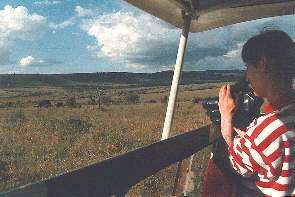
<point>79,36</point>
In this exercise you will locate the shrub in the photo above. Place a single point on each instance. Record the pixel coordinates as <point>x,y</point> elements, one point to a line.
<point>44,103</point>
<point>92,101</point>
<point>71,102</point>
<point>132,98</point>
<point>59,104</point>
<point>151,101</point>
<point>106,99</point>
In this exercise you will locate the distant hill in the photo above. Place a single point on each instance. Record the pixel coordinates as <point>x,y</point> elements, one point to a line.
<point>115,78</point>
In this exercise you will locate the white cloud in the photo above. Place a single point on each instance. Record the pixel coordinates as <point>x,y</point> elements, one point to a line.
<point>26,61</point>
<point>127,37</point>
<point>17,24</point>
<point>62,25</point>
<point>83,12</point>
<point>30,61</point>
<point>91,47</point>
<point>143,42</point>
<point>47,2</point>
<point>235,52</point>
<point>135,67</point>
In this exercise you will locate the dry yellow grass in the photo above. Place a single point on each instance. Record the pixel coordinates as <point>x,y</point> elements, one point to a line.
<point>39,143</point>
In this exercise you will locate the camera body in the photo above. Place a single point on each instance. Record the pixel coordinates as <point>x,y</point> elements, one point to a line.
<point>248,107</point>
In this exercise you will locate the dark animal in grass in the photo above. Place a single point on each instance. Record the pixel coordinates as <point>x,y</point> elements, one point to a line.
<point>44,103</point>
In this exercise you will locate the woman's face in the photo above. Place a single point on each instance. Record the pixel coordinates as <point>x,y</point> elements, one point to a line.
<point>256,78</point>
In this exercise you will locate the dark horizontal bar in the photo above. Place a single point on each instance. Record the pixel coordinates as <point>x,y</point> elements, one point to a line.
<point>118,174</point>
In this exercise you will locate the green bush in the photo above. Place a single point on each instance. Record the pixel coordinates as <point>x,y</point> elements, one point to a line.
<point>132,98</point>
<point>71,102</point>
<point>106,100</point>
<point>44,103</point>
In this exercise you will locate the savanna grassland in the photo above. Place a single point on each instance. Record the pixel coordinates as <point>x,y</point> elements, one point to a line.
<point>49,130</point>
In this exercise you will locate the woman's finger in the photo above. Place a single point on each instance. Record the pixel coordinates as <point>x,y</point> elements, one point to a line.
<point>222,91</point>
<point>228,90</point>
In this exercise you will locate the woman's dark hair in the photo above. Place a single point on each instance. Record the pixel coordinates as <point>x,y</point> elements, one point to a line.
<point>275,45</point>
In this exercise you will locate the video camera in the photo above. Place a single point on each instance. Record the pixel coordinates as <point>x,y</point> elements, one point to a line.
<point>248,107</point>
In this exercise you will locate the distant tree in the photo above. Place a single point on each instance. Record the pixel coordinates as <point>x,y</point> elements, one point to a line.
<point>99,94</point>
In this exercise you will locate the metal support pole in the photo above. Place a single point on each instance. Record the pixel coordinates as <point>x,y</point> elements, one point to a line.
<point>177,175</point>
<point>189,180</point>
<point>176,77</point>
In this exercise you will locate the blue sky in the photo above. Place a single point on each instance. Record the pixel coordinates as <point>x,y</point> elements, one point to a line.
<point>70,36</point>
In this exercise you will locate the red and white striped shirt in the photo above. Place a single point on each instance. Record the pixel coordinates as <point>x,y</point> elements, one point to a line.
<point>267,150</point>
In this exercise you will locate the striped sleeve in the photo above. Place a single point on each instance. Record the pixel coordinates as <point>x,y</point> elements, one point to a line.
<point>240,157</point>
<point>246,159</point>
<point>262,152</point>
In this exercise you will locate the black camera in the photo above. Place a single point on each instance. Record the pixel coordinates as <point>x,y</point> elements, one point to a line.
<point>248,105</point>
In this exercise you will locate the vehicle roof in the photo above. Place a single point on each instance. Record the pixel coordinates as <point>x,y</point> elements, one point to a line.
<point>215,13</point>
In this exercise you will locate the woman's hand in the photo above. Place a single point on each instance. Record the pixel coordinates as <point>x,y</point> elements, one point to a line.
<point>227,104</point>
<point>227,107</point>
